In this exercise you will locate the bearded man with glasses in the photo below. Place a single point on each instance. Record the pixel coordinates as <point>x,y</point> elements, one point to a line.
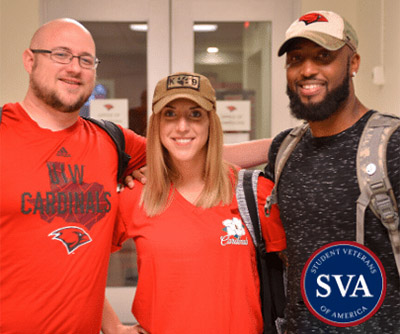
<point>58,197</point>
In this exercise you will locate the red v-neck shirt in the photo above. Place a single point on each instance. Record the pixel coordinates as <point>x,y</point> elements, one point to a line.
<point>195,275</point>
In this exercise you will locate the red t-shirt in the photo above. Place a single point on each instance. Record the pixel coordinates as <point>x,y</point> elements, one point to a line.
<point>197,267</point>
<point>58,204</point>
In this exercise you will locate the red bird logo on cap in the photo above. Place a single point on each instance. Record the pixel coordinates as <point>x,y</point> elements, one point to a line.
<point>312,18</point>
<point>72,237</point>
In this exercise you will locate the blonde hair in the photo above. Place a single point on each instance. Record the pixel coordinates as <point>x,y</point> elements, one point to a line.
<point>218,176</point>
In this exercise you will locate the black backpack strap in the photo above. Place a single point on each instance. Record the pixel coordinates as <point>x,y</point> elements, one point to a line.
<point>118,138</point>
<point>250,179</point>
<point>269,265</point>
<point>246,201</point>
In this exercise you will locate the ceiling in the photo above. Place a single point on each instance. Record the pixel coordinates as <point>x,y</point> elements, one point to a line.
<point>116,38</point>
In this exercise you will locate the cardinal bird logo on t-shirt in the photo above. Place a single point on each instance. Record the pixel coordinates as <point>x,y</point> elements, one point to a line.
<point>72,237</point>
<point>312,18</point>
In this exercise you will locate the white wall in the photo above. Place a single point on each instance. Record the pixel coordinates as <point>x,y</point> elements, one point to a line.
<point>383,51</point>
<point>19,19</point>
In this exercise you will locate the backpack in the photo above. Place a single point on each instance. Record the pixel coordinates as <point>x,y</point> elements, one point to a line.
<point>118,138</point>
<point>375,188</point>
<point>269,265</point>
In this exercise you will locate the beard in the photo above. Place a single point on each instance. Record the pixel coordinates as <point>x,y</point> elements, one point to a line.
<point>52,99</point>
<point>314,112</point>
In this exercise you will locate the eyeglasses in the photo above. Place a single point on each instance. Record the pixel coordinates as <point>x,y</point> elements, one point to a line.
<point>65,57</point>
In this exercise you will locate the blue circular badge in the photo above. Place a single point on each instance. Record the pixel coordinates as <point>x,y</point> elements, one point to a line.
<point>343,284</point>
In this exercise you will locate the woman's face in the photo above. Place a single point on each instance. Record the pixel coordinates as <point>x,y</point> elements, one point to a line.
<point>184,129</point>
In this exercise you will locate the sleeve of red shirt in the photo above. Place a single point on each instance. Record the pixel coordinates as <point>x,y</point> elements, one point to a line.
<point>124,215</point>
<point>272,228</point>
<point>120,231</point>
<point>127,211</point>
<point>135,146</point>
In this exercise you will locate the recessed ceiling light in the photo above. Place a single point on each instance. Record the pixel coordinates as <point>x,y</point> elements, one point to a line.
<point>205,27</point>
<point>212,49</point>
<point>138,27</point>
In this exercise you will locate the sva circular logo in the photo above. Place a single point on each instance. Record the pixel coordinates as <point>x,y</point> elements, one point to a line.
<point>343,283</point>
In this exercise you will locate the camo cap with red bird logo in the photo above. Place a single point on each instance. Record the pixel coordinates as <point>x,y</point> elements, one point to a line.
<point>186,85</point>
<point>327,29</point>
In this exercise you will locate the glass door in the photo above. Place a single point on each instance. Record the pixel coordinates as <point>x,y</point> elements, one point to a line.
<point>245,67</point>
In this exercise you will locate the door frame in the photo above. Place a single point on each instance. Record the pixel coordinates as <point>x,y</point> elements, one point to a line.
<point>185,13</point>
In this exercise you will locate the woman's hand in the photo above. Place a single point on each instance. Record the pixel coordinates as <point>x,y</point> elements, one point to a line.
<point>138,174</point>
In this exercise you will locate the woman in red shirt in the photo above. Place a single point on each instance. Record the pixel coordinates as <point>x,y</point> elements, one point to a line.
<point>196,260</point>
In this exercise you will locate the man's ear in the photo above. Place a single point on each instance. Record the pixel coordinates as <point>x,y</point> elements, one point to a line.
<point>354,63</point>
<point>28,60</point>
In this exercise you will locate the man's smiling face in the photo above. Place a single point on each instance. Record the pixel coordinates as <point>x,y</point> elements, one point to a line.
<point>317,79</point>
